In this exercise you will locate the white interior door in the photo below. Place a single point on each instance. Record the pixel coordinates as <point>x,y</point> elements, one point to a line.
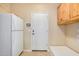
<point>39,31</point>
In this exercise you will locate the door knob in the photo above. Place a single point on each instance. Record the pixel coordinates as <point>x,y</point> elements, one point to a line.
<point>33,31</point>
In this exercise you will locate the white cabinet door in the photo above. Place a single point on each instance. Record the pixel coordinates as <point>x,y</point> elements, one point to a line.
<point>39,31</point>
<point>17,23</point>
<point>17,42</point>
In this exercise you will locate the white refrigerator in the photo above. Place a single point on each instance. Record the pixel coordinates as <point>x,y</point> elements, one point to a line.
<point>11,35</point>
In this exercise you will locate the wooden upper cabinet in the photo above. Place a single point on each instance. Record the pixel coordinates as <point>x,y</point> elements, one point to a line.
<point>70,13</point>
<point>63,13</point>
<point>78,8</point>
<point>60,14</point>
<point>74,10</point>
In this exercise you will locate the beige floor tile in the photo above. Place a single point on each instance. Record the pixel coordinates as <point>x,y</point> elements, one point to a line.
<point>35,53</point>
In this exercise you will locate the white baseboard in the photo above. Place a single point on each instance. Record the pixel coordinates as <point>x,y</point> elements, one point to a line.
<point>27,50</point>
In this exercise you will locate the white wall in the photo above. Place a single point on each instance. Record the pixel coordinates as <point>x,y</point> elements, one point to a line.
<point>56,32</point>
<point>72,36</point>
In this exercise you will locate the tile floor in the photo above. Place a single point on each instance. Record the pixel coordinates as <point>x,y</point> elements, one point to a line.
<point>35,53</point>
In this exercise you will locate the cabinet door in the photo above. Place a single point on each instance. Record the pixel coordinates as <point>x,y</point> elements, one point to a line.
<point>78,9</point>
<point>65,12</point>
<point>74,10</point>
<point>60,13</point>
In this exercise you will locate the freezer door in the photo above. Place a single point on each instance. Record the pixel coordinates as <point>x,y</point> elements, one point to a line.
<point>17,23</point>
<point>5,34</point>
